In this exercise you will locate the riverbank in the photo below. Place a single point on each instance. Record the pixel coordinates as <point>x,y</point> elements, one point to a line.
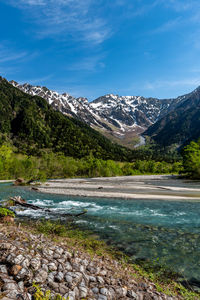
<point>126,187</point>
<point>60,265</point>
<point>4,181</point>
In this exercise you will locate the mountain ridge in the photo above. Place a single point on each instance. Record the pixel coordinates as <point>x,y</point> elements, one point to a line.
<point>179,126</point>
<point>120,118</point>
<point>34,126</point>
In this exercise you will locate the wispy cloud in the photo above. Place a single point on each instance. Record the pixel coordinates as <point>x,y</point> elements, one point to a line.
<point>168,26</point>
<point>32,2</point>
<point>74,19</point>
<point>136,9</point>
<point>9,55</point>
<point>181,5</point>
<point>91,63</point>
<point>189,82</point>
<point>11,59</point>
<point>34,81</point>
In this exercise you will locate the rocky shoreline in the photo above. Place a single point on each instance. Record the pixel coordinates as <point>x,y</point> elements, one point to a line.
<point>27,258</point>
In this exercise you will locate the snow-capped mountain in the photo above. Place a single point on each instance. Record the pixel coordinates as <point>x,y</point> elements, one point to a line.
<point>121,118</point>
<point>74,107</point>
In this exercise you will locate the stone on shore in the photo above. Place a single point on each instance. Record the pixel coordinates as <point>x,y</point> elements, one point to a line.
<point>31,258</point>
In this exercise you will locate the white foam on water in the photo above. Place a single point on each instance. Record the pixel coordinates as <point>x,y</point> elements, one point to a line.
<point>31,213</point>
<point>114,208</point>
<point>70,204</point>
<point>155,239</point>
<point>179,213</point>
<point>114,227</point>
<point>157,213</point>
<point>40,202</point>
<point>133,213</point>
<point>82,221</point>
<point>143,213</point>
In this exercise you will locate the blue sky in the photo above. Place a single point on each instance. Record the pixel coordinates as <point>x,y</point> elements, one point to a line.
<point>94,47</point>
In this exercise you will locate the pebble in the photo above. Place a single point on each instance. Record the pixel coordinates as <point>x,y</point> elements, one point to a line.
<point>59,276</point>
<point>83,292</point>
<point>35,263</point>
<point>102,297</point>
<point>95,290</point>
<point>100,279</point>
<point>132,294</point>
<point>40,276</point>
<point>15,269</point>
<point>104,291</point>
<point>76,276</point>
<point>9,286</point>
<point>52,266</point>
<point>3,269</point>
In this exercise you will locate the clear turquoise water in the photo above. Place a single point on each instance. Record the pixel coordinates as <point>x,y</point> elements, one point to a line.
<point>168,230</point>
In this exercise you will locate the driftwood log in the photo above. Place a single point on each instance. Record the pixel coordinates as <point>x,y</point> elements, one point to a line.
<point>18,200</point>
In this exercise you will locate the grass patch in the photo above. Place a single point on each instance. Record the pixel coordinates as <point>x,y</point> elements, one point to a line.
<point>84,240</point>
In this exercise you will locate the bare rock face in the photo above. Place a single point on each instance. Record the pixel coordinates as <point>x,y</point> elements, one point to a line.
<point>71,275</point>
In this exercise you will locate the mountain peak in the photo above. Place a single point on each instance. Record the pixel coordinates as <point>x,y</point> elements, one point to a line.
<point>197,89</point>
<point>116,116</point>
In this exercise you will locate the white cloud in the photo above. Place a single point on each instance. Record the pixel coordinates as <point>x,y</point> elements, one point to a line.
<point>65,19</point>
<point>91,63</point>
<point>189,82</point>
<point>33,2</point>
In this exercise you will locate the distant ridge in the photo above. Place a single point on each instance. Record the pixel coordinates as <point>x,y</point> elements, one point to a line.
<point>120,118</point>
<point>181,125</point>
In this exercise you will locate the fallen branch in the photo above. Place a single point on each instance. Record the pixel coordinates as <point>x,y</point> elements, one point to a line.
<point>18,200</point>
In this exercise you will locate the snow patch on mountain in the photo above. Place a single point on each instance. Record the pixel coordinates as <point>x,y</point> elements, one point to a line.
<point>111,114</point>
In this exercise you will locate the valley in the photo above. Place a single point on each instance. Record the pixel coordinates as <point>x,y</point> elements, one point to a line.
<point>151,216</point>
<point>121,118</point>
<point>99,150</point>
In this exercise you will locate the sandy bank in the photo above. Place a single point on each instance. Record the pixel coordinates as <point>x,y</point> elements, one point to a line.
<point>4,181</point>
<point>161,187</point>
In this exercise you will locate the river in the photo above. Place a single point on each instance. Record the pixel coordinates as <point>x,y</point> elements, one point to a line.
<point>144,229</point>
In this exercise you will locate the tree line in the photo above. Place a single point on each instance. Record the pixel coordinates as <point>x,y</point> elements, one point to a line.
<point>57,165</point>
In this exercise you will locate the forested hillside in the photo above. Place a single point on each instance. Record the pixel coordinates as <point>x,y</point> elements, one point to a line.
<point>181,125</point>
<point>33,126</point>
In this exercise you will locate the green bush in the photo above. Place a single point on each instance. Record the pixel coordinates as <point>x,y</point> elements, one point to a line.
<point>191,160</point>
<point>40,295</point>
<point>51,227</point>
<point>6,212</point>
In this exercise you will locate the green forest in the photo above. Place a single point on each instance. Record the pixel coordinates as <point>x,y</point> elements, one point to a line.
<point>191,160</point>
<point>37,142</point>
<point>57,165</point>
<point>33,126</point>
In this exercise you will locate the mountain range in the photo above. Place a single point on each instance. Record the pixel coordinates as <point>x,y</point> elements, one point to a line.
<point>34,127</point>
<point>124,118</point>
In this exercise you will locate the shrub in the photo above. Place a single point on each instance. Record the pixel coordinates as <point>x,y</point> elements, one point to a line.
<point>6,212</point>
